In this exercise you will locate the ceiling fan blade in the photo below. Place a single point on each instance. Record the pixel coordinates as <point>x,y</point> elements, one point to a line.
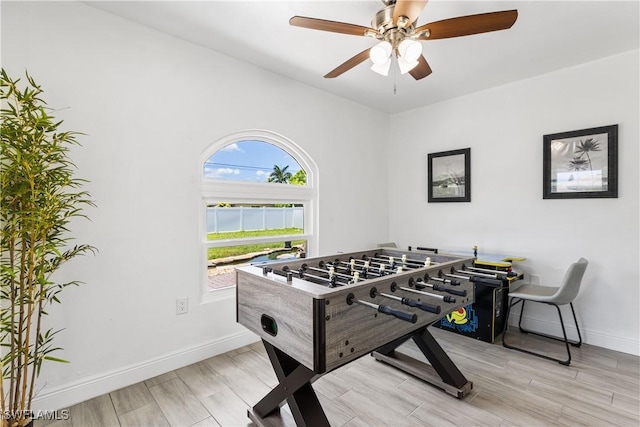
<point>468,25</point>
<point>349,64</point>
<point>421,70</point>
<point>331,26</point>
<point>409,8</point>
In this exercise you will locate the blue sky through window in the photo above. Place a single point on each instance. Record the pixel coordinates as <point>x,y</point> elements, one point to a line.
<point>248,161</point>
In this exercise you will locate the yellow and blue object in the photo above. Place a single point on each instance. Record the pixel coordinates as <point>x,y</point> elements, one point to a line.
<point>484,319</point>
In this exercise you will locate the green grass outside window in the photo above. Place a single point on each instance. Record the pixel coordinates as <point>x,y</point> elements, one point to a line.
<point>215,253</point>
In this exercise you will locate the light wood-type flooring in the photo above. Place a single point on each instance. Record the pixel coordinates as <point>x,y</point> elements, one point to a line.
<point>600,388</point>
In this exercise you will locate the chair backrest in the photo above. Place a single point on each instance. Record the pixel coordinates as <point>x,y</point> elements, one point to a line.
<point>570,285</point>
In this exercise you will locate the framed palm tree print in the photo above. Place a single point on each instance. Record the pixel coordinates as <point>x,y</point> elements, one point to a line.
<point>581,164</point>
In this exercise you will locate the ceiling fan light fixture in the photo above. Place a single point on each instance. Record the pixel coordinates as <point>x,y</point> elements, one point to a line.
<point>410,50</point>
<point>406,66</point>
<point>382,69</point>
<point>395,26</point>
<point>380,53</point>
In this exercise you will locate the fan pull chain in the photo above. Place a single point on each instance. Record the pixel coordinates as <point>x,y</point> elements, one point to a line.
<point>395,75</point>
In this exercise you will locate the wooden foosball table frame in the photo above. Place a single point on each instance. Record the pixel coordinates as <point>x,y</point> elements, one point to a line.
<point>313,318</point>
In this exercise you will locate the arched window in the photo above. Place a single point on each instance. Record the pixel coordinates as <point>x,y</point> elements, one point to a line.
<point>254,161</point>
<point>259,202</point>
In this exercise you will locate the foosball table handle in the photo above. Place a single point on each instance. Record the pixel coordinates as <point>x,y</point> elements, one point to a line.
<point>458,292</point>
<point>384,309</point>
<point>399,314</point>
<point>424,306</point>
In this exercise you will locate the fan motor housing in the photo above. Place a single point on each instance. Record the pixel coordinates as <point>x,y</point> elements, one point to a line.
<point>383,20</point>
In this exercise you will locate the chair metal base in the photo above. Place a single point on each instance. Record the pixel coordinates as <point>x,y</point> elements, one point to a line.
<point>566,341</point>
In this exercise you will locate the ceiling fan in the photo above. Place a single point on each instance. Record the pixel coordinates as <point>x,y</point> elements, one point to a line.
<point>395,27</point>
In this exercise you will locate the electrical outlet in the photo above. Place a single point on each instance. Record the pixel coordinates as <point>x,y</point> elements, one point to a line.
<point>182,305</point>
<point>534,280</point>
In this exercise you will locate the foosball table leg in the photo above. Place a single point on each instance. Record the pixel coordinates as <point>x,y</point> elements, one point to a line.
<point>441,372</point>
<point>294,387</point>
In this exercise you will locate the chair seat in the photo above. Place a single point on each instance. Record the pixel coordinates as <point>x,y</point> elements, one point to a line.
<point>535,293</point>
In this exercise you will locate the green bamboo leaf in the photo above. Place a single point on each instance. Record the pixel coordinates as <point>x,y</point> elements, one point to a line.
<point>39,197</point>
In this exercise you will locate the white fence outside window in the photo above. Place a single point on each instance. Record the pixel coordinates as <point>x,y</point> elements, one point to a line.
<point>222,220</point>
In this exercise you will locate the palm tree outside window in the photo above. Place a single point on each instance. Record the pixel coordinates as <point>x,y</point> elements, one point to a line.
<point>258,203</point>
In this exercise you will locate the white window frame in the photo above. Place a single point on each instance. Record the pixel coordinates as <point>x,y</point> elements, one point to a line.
<point>219,190</point>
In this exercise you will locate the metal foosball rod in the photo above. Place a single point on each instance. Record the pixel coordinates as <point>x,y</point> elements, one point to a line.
<point>382,268</point>
<point>492,281</point>
<point>353,263</point>
<point>330,272</point>
<point>445,298</point>
<point>405,266</point>
<point>421,248</point>
<point>426,263</point>
<point>384,309</point>
<point>367,264</point>
<point>367,272</point>
<point>336,266</point>
<point>354,274</point>
<point>457,276</point>
<point>421,283</point>
<point>508,273</point>
<point>351,278</point>
<point>431,308</point>
<point>288,274</point>
<point>472,274</point>
<point>330,281</point>
<point>475,273</point>
<point>364,272</point>
<point>392,262</point>
<point>452,282</point>
<point>383,264</point>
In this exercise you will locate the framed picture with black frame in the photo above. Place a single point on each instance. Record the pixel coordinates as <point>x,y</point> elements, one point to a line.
<point>449,176</point>
<point>581,164</point>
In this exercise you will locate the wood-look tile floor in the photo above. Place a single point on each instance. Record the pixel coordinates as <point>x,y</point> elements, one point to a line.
<point>600,388</point>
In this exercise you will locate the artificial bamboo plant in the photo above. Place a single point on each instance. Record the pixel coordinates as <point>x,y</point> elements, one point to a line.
<point>39,196</point>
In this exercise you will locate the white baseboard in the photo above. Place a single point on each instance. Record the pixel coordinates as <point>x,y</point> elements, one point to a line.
<point>70,394</point>
<point>590,337</point>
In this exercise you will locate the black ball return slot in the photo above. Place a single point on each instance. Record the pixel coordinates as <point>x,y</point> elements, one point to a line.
<point>269,325</point>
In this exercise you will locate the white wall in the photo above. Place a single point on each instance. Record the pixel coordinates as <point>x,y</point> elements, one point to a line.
<point>504,128</point>
<point>150,105</point>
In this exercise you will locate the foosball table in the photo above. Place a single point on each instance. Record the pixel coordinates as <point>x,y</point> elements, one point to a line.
<point>317,314</point>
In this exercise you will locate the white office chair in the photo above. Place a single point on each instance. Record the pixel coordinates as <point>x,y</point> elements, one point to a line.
<point>556,296</point>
